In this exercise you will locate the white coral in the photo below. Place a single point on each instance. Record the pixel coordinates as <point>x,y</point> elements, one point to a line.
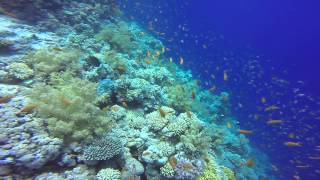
<point>108,174</point>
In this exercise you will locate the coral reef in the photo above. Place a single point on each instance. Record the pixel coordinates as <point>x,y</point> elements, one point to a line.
<point>97,98</point>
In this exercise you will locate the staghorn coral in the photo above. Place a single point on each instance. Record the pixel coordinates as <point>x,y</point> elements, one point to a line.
<point>102,149</point>
<point>68,106</point>
<point>109,174</point>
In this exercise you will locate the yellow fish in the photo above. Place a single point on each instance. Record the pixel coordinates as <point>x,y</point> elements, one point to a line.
<point>225,75</point>
<point>274,122</point>
<point>271,108</point>
<point>292,144</point>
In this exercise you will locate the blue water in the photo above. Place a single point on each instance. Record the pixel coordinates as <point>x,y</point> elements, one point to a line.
<point>269,49</point>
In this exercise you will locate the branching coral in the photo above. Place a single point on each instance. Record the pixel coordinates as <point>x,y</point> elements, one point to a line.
<point>102,149</point>
<point>68,105</point>
<point>109,174</point>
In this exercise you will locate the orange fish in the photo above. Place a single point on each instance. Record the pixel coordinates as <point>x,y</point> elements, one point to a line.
<point>57,49</point>
<point>189,114</point>
<point>296,177</point>
<point>225,75</point>
<point>250,163</point>
<point>314,157</point>
<point>291,135</point>
<point>292,144</point>
<point>124,104</point>
<point>181,60</point>
<point>213,88</point>
<point>271,108</point>
<point>157,53</point>
<point>5,99</point>
<point>147,61</point>
<point>162,112</point>
<point>245,132</point>
<point>229,125</point>
<point>193,94</point>
<point>28,108</point>
<point>274,122</point>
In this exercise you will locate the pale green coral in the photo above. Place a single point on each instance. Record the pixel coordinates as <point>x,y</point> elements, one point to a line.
<point>215,172</point>
<point>118,35</point>
<point>20,71</point>
<point>68,106</point>
<point>109,174</point>
<point>229,173</point>
<point>46,61</point>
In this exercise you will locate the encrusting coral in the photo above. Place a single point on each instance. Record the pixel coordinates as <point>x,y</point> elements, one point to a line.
<point>113,101</point>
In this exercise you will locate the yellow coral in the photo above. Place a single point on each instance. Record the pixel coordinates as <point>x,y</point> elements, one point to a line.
<point>215,172</point>
<point>229,173</point>
<point>210,172</point>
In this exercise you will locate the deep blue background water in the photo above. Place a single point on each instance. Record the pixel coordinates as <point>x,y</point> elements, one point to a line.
<point>270,49</point>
